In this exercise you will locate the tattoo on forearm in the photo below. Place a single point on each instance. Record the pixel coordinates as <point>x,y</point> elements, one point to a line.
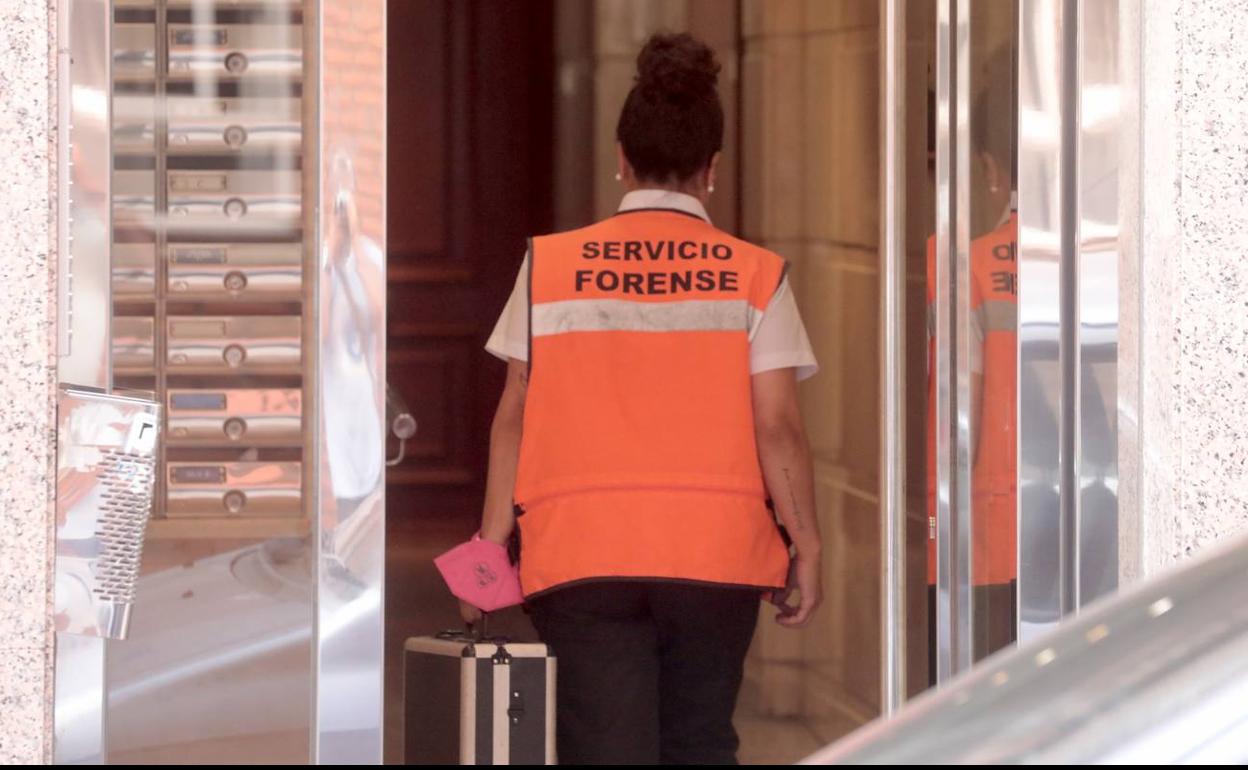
<point>797,511</point>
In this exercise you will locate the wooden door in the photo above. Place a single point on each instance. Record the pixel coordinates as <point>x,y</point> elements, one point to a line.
<point>470,122</point>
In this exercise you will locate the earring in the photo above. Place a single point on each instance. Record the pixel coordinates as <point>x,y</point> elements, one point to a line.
<point>710,188</point>
<point>617,176</point>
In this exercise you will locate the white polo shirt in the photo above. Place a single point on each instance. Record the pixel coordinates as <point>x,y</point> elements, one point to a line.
<point>777,341</point>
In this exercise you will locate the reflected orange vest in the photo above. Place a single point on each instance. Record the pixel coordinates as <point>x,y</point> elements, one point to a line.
<point>638,457</point>
<point>994,299</point>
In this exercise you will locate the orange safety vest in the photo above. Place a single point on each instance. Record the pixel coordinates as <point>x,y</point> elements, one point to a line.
<point>638,457</point>
<point>994,494</point>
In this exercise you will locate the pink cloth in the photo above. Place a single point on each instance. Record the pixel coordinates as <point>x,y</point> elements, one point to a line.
<point>480,573</point>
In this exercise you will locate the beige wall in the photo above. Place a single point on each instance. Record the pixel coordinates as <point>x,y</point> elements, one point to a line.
<point>810,192</point>
<point>27,379</point>
<point>620,29</point>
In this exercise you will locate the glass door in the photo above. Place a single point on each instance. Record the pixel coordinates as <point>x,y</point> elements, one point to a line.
<point>213,178</point>
<point>972,339</point>
<point>799,175</point>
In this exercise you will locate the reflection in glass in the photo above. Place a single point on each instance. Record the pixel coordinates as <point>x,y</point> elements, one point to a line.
<point>993,355</point>
<point>209,257</point>
<point>994,307</point>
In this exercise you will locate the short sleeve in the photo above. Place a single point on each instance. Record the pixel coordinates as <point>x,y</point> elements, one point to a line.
<point>510,338</point>
<point>977,313</point>
<point>978,325</point>
<point>778,339</point>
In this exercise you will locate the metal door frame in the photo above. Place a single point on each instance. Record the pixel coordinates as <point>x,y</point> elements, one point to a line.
<point>1067,322</point>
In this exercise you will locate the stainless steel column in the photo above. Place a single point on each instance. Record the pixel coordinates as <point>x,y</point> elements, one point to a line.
<point>84,218</point>
<point>954,623</point>
<point>892,356</point>
<point>1047,206</point>
<point>84,311</point>
<point>350,366</point>
<point>1100,89</point>
<point>1069,97</point>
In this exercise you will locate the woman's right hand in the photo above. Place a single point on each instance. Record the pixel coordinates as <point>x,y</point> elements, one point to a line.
<point>804,577</point>
<point>469,613</point>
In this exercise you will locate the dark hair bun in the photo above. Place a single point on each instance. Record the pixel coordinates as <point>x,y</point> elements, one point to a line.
<point>678,69</point>
<point>672,122</point>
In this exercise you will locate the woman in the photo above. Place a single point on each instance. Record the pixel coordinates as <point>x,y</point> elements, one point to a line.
<point>649,409</point>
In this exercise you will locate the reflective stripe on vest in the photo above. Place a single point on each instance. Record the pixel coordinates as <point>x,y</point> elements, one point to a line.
<point>638,458</point>
<point>605,315</point>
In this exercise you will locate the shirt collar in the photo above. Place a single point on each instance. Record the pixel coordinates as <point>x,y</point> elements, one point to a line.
<point>663,199</point>
<point>1010,210</point>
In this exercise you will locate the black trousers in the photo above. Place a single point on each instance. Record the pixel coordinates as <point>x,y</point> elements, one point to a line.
<point>648,671</point>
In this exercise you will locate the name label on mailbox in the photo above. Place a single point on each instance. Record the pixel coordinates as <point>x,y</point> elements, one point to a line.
<point>199,255</point>
<point>199,37</point>
<point>197,182</point>
<point>197,474</point>
<point>193,401</point>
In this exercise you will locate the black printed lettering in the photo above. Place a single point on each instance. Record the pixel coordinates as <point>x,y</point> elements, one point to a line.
<point>658,282</point>
<point>1005,281</point>
<point>608,281</point>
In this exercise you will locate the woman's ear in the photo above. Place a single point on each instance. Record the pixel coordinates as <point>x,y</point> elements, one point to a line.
<point>712,169</point>
<point>624,171</point>
<point>991,170</point>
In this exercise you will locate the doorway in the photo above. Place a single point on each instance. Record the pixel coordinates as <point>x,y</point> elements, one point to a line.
<point>475,99</point>
<point>501,125</point>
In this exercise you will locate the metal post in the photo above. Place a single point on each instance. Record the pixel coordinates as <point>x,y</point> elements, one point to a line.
<point>954,623</point>
<point>892,358</point>
<point>349,359</point>
<point>84,313</point>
